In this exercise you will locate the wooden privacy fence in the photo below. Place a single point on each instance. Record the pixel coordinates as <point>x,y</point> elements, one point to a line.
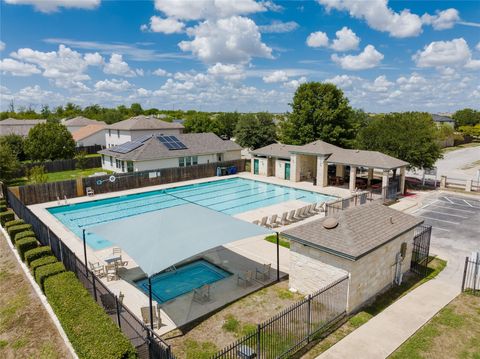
<point>62,190</point>
<point>60,165</point>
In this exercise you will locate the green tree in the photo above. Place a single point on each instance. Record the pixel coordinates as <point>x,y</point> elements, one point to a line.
<point>37,175</point>
<point>444,131</point>
<point>227,122</point>
<point>81,158</point>
<point>8,163</point>
<point>49,141</point>
<point>136,109</point>
<point>409,136</point>
<point>255,131</point>
<point>16,144</point>
<point>473,131</point>
<point>466,117</point>
<point>319,112</point>
<point>200,123</point>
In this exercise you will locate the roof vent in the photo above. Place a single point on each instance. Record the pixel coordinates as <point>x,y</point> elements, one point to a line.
<point>330,223</point>
<point>391,219</point>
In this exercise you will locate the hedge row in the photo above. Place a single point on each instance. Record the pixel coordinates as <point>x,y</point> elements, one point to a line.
<point>48,270</point>
<point>3,202</point>
<point>37,253</point>
<point>7,216</point>
<point>14,230</point>
<point>91,331</point>
<point>13,222</point>
<point>25,244</point>
<point>37,263</point>
<point>3,208</point>
<point>23,235</point>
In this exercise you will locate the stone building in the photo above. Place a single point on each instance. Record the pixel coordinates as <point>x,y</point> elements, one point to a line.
<point>371,243</point>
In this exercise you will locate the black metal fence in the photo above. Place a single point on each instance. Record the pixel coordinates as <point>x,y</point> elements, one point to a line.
<point>89,150</point>
<point>471,275</point>
<point>295,327</point>
<point>344,203</point>
<point>147,342</point>
<point>421,250</point>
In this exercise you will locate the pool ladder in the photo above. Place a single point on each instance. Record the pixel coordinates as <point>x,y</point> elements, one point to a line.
<point>171,269</point>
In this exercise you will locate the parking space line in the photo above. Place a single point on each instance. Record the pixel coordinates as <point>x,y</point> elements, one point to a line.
<point>419,209</point>
<point>454,209</point>
<point>467,203</point>
<point>440,220</point>
<point>449,200</point>
<point>461,205</point>
<point>441,229</point>
<point>446,214</point>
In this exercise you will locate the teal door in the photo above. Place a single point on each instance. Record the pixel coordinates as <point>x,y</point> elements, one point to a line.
<point>287,171</point>
<point>255,167</point>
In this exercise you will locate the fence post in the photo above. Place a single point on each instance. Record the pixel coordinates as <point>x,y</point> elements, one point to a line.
<point>94,287</point>
<point>464,273</point>
<point>118,312</point>
<point>258,341</point>
<point>309,318</point>
<point>48,236</point>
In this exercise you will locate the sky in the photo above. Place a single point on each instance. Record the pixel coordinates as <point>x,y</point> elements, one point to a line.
<point>243,55</point>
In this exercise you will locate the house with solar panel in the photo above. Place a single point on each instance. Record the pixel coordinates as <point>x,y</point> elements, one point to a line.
<point>138,127</point>
<point>158,151</point>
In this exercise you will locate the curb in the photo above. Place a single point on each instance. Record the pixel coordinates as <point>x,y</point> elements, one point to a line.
<point>40,295</point>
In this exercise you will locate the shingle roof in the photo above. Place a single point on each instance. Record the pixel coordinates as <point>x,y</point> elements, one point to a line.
<point>275,150</point>
<point>196,143</point>
<point>81,121</point>
<point>318,148</point>
<point>440,118</point>
<point>15,121</point>
<point>87,131</point>
<point>372,159</point>
<point>144,123</point>
<point>18,127</point>
<point>360,230</point>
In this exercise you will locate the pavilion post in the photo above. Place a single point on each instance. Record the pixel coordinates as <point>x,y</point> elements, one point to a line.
<point>150,301</point>
<point>278,258</point>
<point>85,252</point>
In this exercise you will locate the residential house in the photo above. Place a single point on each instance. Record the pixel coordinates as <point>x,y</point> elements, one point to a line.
<point>18,127</point>
<point>76,123</point>
<point>90,135</point>
<point>439,119</point>
<point>158,151</point>
<point>137,127</point>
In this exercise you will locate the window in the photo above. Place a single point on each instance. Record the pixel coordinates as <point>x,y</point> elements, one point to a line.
<point>181,161</point>
<point>109,133</point>
<point>111,161</point>
<point>195,160</point>
<point>103,159</point>
<point>117,163</point>
<point>118,133</point>
<point>219,157</point>
<point>129,166</point>
<point>188,160</point>
<point>123,166</point>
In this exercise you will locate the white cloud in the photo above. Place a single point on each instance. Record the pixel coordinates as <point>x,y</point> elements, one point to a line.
<point>478,46</point>
<point>413,83</point>
<point>207,9</point>
<point>279,27</point>
<point>116,66</point>
<point>443,53</point>
<point>379,16</point>
<point>275,76</point>
<point>442,20</point>
<point>293,84</point>
<point>346,40</point>
<point>228,72</point>
<point>18,68</point>
<point>168,25</point>
<point>113,85</point>
<point>344,81</point>
<point>49,6</point>
<point>231,40</point>
<point>367,59</point>
<point>160,72</point>
<point>2,46</point>
<point>473,64</point>
<point>94,59</point>
<point>317,39</point>
<point>380,84</point>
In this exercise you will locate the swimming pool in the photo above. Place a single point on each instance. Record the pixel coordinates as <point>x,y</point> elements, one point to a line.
<point>230,196</point>
<point>169,285</point>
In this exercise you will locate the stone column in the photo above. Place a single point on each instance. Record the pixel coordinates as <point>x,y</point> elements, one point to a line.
<point>251,165</point>
<point>322,171</point>
<point>402,180</point>
<point>468,186</point>
<point>370,177</point>
<point>385,178</point>
<point>294,169</point>
<point>353,178</point>
<point>443,182</point>
<point>340,171</point>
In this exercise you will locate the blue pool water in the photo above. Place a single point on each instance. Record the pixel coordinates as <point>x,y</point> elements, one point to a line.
<point>172,284</point>
<point>230,196</point>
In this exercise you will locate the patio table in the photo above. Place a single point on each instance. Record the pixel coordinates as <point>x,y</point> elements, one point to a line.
<point>112,258</point>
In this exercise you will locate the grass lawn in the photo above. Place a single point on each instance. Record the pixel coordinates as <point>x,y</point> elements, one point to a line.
<point>282,241</point>
<point>383,301</point>
<point>26,329</point>
<point>230,323</point>
<point>459,147</point>
<point>61,176</point>
<point>453,333</point>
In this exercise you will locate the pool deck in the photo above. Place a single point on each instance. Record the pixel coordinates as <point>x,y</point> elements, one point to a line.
<point>236,257</point>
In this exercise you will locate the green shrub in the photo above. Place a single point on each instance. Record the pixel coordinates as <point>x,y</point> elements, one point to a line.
<point>13,222</point>
<point>37,263</point>
<point>3,208</point>
<point>5,217</point>
<point>92,333</point>
<point>37,253</point>
<point>24,235</point>
<point>3,202</point>
<point>13,230</point>
<point>46,271</point>
<point>25,244</point>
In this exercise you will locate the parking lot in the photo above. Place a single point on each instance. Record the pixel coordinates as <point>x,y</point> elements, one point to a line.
<point>455,222</point>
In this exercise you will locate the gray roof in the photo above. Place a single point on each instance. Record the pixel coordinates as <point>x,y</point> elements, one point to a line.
<point>360,230</point>
<point>81,121</point>
<point>144,123</point>
<point>18,127</point>
<point>336,154</point>
<point>440,118</point>
<point>196,143</point>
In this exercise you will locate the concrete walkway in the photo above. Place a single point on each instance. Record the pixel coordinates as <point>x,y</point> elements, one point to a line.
<point>383,334</point>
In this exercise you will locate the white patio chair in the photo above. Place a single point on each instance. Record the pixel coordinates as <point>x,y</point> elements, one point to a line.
<point>97,269</point>
<point>90,191</point>
<point>111,272</point>
<point>157,319</point>
<point>263,222</point>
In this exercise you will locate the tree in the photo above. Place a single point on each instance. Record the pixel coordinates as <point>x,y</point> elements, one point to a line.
<point>466,117</point>
<point>136,109</point>
<point>82,159</point>
<point>37,175</point>
<point>201,123</point>
<point>319,112</point>
<point>16,145</point>
<point>444,132</point>
<point>255,131</point>
<point>49,141</point>
<point>227,122</point>
<point>8,163</point>
<point>409,136</point>
<point>473,131</point>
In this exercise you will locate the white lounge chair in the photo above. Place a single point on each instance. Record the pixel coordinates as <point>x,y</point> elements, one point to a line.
<point>283,220</point>
<point>273,221</point>
<point>299,214</point>
<point>263,221</point>
<point>311,209</point>
<point>157,320</point>
<point>291,216</point>
<point>257,222</point>
<point>246,278</point>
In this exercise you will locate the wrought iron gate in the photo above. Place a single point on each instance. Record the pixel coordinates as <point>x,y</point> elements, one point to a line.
<point>421,249</point>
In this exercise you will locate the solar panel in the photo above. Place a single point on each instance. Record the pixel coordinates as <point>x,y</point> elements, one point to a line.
<point>172,142</point>
<point>126,147</point>
<point>143,138</point>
